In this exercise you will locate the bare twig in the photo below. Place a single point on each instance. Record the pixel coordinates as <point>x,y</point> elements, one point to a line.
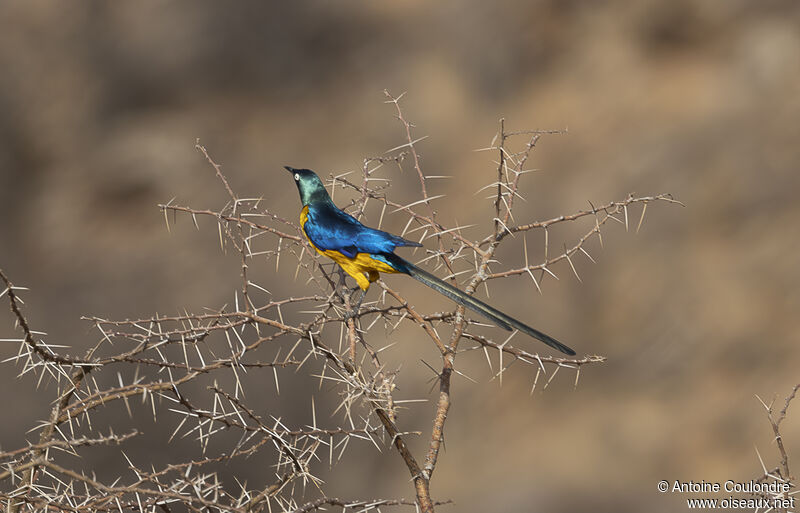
<point>161,360</point>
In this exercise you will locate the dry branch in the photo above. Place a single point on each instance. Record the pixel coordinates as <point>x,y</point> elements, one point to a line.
<point>194,369</point>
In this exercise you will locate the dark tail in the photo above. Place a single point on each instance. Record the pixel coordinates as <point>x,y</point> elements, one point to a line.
<point>496,316</point>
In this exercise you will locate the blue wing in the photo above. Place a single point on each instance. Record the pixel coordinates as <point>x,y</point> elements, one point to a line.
<point>330,228</point>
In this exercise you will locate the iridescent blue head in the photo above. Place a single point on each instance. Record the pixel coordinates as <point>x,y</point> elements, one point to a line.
<point>309,185</point>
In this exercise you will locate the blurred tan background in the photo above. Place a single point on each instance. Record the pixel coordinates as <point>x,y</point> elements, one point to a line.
<point>102,102</point>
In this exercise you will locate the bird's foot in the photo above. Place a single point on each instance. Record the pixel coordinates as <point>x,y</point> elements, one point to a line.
<point>353,312</point>
<point>360,300</point>
<point>342,278</point>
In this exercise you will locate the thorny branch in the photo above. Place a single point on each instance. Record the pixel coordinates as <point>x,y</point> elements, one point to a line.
<point>194,370</point>
<point>779,474</point>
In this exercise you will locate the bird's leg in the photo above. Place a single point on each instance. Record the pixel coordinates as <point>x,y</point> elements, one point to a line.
<point>347,294</point>
<point>342,277</point>
<point>343,285</point>
<point>362,283</point>
<point>360,300</point>
<point>364,286</point>
<point>351,314</point>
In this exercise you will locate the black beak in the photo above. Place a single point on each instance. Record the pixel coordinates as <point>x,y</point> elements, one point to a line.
<point>290,169</point>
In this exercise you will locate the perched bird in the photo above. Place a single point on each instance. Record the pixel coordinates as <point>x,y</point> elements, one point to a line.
<point>364,253</point>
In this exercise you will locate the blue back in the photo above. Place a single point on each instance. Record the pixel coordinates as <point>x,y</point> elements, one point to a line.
<point>331,229</point>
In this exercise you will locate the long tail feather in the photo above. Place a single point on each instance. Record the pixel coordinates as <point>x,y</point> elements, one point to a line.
<point>496,316</point>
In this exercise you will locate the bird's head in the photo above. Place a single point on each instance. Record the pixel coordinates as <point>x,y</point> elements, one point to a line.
<point>309,185</point>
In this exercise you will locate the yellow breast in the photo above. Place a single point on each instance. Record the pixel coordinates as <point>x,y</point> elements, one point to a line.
<point>355,267</point>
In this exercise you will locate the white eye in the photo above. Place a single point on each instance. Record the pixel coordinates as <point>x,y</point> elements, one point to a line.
<point>297,176</point>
